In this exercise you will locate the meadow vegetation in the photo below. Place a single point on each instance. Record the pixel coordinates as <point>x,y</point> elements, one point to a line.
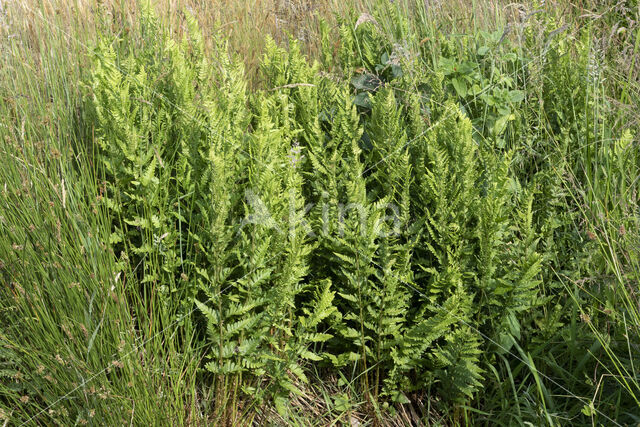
<point>316,213</point>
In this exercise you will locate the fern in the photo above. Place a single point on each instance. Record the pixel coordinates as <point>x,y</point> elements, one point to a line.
<point>306,226</point>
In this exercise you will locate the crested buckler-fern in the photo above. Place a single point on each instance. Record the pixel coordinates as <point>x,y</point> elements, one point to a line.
<point>358,221</point>
<point>401,213</point>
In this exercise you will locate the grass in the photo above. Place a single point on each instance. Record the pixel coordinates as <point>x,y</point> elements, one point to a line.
<point>67,325</point>
<point>85,341</point>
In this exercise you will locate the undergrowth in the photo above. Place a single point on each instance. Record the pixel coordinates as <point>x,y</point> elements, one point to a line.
<point>417,226</point>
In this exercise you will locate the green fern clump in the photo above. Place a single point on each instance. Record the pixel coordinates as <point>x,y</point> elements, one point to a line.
<point>212,212</point>
<point>366,232</point>
<point>141,112</point>
<point>474,237</point>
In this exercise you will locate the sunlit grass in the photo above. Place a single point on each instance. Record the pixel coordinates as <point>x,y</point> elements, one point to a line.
<point>75,339</point>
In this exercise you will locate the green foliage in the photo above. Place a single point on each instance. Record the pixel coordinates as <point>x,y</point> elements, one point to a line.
<point>77,346</point>
<point>217,196</point>
<point>421,216</point>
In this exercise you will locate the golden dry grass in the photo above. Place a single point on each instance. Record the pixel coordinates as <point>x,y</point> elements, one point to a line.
<point>246,24</point>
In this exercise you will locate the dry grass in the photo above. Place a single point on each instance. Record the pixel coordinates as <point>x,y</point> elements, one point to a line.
<point>245,24</point>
